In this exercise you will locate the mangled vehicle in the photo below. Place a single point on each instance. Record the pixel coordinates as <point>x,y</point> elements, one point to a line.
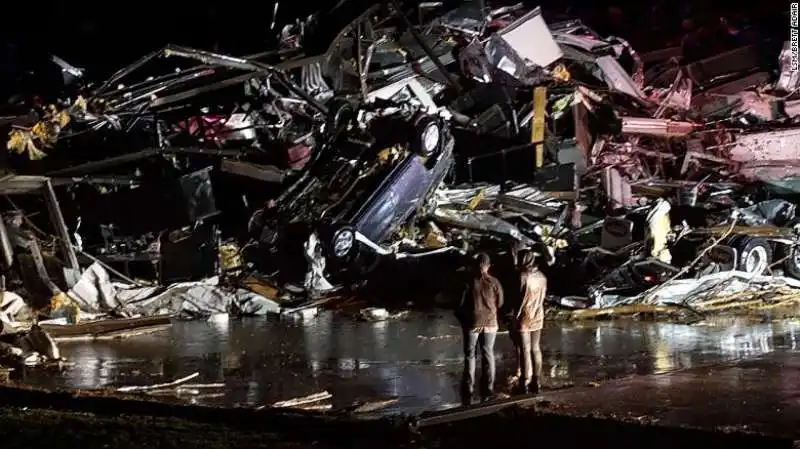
<point>368,180</point>
<point>629,254</point>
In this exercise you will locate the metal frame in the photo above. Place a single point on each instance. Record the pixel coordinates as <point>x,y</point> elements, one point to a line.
<point>41,185</point>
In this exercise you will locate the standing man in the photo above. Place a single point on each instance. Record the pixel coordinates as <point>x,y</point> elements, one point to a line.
<point>529,320</point>
<point>477,312</point>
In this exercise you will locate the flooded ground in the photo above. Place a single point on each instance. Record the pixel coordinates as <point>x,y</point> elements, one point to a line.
<point>418,359</point>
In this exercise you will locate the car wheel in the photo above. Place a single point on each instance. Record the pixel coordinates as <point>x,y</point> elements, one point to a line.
<point>791,265</point>
<point>754,254</point>
<point>427,136</point>
<point>340,243</point>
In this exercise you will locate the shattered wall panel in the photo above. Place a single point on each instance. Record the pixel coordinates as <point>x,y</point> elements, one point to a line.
<point>768,155</point>
<point>532,39</point>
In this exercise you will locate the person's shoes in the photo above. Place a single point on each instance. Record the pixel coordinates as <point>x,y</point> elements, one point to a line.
<point>531,388</point>
<point>466,397</point>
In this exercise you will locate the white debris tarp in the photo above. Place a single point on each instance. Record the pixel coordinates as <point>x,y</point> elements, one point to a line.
<point>689,291</point>
<point>12,310</point>
<point>96,294</point>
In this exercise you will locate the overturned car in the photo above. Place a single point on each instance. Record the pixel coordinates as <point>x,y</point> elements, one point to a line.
<point>368,180</point>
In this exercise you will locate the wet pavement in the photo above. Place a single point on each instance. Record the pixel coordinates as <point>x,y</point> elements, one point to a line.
<point>759,395</point>
<point>417,359</point>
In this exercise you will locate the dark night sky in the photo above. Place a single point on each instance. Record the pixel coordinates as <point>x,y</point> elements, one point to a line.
<point>113,34</point>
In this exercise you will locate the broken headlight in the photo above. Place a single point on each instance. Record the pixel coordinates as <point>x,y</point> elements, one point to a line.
<point>342,242</point>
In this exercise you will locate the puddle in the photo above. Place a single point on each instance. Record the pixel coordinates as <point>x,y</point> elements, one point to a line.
<point>418,359</point>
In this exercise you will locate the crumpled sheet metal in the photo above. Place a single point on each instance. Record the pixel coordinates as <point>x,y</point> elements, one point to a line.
<point>315,281</point>
<point>754,103</point>
<point>759,105</point>
<point>29,345</point>
<point>767,155</point>
<point>520,198</point>
<point>503,57</point>
<point>688,291</point>
<point>473,62</point>
<point>624,158</point>
<point>677,96</point>
<point>605,68</point>
<point>529,194</point>
<point>96,295</point>
<point>618,189</point>
<point>709,70</point>
<point>480,222</point>
<point>13,309</point>
<point>582,42</point>
<point>510,53</point>
<point>530,201</point>
<point>462,196</point>
<point>775,212</point>
<point>617,78</point>
<point>419,94</point>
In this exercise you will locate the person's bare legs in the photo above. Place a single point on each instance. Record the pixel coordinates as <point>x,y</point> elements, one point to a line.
<point>536,354</point>
<point>516,340</point>
<point>527,368</point>
<point>531,361</point>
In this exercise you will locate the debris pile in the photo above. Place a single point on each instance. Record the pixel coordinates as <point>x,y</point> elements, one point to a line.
<point>266,182</point>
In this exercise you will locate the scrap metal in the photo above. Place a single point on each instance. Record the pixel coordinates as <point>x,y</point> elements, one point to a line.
<point>420,131</point>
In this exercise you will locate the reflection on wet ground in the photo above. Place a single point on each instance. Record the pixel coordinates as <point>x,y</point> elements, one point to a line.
<point>757,395</point>
<point>417,359</point>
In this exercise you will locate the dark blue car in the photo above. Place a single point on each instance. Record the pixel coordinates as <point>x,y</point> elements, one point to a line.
<point>359,190</point>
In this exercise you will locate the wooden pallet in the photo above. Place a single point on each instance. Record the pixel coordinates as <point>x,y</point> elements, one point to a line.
<point>107,329</point>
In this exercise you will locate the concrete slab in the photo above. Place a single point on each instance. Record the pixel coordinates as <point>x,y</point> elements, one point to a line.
<point>759,395</point>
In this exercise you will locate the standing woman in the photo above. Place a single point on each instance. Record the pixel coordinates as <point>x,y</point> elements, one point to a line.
<point>529,320</point>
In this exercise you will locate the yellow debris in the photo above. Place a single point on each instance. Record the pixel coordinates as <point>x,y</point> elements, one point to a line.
<point>434,238</point>
<point>538,123</point>
<point>74,311</point>
<point>474,202</point>
<point>385,155</point>
<point>21,141</point>
<point>230,257</point>
<point>44,133</point>
<point>560,73</point>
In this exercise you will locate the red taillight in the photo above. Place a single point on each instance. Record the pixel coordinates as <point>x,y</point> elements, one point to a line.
<point>649,278</point>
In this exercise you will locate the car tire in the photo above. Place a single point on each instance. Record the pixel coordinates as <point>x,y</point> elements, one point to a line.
<point>420,125</point>
<point>754,254</point>
<point>791,265</point>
